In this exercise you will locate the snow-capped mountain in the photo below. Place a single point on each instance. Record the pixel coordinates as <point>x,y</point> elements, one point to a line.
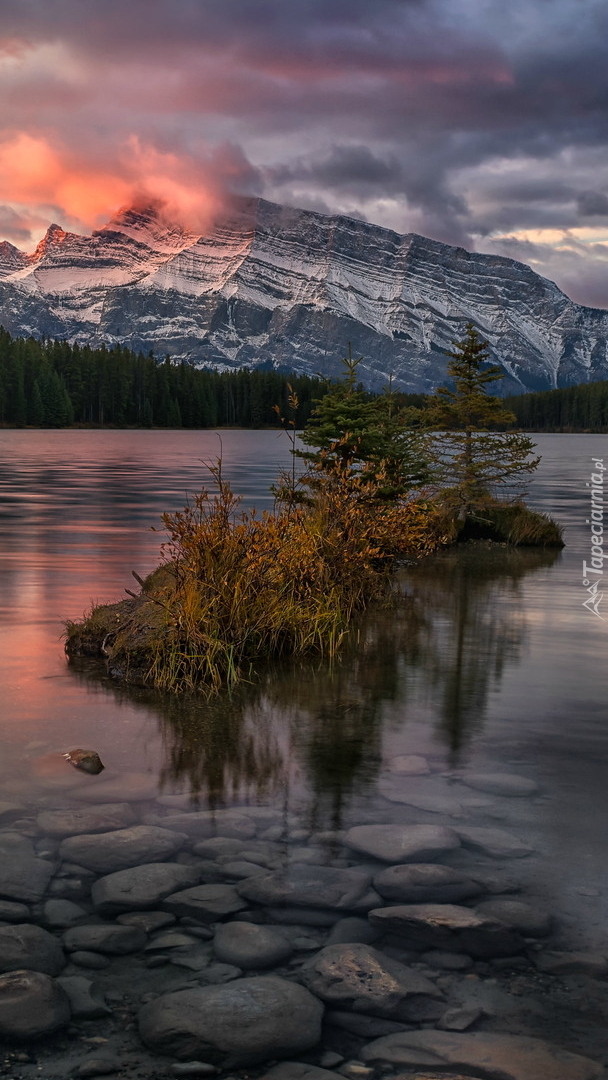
<point>270,286</point>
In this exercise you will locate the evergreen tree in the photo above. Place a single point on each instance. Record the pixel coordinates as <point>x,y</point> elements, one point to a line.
<point>476,462</point>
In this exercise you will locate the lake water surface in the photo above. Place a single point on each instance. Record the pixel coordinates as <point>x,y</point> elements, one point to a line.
<point>488,663</point>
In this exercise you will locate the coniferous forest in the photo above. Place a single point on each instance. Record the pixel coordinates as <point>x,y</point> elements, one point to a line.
<point>573,408</point>
<point>55,384</point>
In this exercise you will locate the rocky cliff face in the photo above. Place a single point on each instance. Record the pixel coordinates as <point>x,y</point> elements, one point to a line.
<point>270,286</point>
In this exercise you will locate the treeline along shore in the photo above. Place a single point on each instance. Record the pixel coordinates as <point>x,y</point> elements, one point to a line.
<point>54,384</point>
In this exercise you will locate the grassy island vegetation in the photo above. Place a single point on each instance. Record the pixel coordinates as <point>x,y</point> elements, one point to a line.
<point>378,484</point>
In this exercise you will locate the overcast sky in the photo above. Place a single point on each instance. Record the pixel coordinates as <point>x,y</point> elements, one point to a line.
<point>477,122</point>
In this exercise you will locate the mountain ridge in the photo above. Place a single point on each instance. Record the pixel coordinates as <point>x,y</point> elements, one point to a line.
<point>275,287</point>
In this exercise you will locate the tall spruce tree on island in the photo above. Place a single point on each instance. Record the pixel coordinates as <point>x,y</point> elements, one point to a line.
<point>476,462</point>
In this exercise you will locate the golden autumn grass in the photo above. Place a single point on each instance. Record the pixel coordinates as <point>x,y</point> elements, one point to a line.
<point>237,589</point>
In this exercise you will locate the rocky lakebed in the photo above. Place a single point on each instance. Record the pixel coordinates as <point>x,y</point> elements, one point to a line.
<point>142,937</point>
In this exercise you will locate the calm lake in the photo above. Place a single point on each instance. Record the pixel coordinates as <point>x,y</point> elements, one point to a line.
<point>488,663</point>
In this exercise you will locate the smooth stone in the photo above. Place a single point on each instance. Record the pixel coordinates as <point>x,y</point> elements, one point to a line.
<point>25,945</point>
<point>62,913</point>
<point>218,974</point>
<point>420,883</point>
<point>460,1019</point>
<point>172,939</point>
<point>194,959</point>
<point>208,903</point>
<point>112,940</point>
<point>148,921</point>
<point>402,843</point>
<point>496,843</point>
<point>105,853</point>
<point>13,912</point>
<point>207,823</point>
<point>363,980</point>
<point>510,1057</point>
<point>235,1025</point>
<point>141,887</point>
<point>352,930</point>
<point>128,787</point>
<point>23,876</point>
<point>298,1070</point>
<point>500,784</point>
<point>99,1066</point>
<point>241,870</point>
<point>86,1001</point>
<point>92,820</point>
<point>218,846</point>
<point>32,1005</point>
<point>249,946</point>
<point>409,765</point>
<point>431,802</point>
<point>311,886</point>
<point>528,920</point>
<point>448,927</point>
<point>572,963</point>
<point>94,961</point>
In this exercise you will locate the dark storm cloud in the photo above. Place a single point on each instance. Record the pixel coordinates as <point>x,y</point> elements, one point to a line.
<point>459,118</point>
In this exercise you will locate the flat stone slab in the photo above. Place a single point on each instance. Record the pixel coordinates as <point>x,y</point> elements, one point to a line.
<point>523,917</point>
<point>207,903</point>
<point>497,843</point>
<point>420,883</point>
<point>28,946</point>
<point>141,887</point>
<point>500,784</point>
<point>110,940</point>
<point>449,928</point>
<point>312,886</point>
<point>250,947</point>
<point>241,1023</point>
<point>93,819</point>
<point>402,843</point>
<point>105,853</point>
<point>31,1005</point>
<point>489,1055</point>
<point>431,801</point>
<point>204,824</point>
<point>361,979</point>
<point>23,876</point>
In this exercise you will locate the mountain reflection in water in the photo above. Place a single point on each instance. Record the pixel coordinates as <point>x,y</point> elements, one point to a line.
<point>317,730</point>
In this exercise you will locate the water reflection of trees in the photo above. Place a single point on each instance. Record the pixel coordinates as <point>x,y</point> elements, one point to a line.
<point>316,730</point>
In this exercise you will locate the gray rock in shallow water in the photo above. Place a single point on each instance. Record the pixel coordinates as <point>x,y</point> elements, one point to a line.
<point>141,887</point>
<point>93,819</point>
<point>111,940</point>
<point>62,913</point>
<point>420,883</point>
<point>249,946</point>
<point>31,1005</point>
<point>449,928</point>
<point>23,876</point>
<point>208,903</point>
<point>363,980</point>
<point>402,843</point>
<point>86,1001</point>
<point>146,920</point>
<point>13,912</point>
<point>105,853</point>
<point>574,963</point>
<point>206,823</point>
<point>27,946</point>
<point>528,920</point>
<point>352,930</point>
<point>236,1025</point>
<point>496,843</point>
<point>510,1057</point>
<point>500,784</point>
<point>311,886</point>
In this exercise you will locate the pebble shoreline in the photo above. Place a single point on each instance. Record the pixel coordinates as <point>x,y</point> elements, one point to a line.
<point>141,937</point>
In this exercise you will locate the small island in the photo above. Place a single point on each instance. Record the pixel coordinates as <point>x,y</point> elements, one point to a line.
<point>380,485</point>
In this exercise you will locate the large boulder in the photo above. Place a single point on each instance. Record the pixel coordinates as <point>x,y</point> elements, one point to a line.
<point>31,1005</point>
<point>448,927</point>
<point>312,886</point>
<point>23,945</point>
<point>402,843</point>
<point>488,1054</point>
<point>361,979</point>
<point>105,853</point>
<point>239,1024</point>
<point>141,887</point>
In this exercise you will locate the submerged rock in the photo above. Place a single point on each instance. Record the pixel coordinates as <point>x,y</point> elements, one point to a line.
<point>242,1023</point>
<point>32,1005</point>
<point>27,946</point>
<point>312,886</point>
<point>402,843</point>
<point>497,843</point>
<point>141,887</point>
<point>448,927</point>
<point>93,819</point>
<point>416,883</point>
<point>500,784</point>
<point>120,849</point>
<point>23,876</point>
